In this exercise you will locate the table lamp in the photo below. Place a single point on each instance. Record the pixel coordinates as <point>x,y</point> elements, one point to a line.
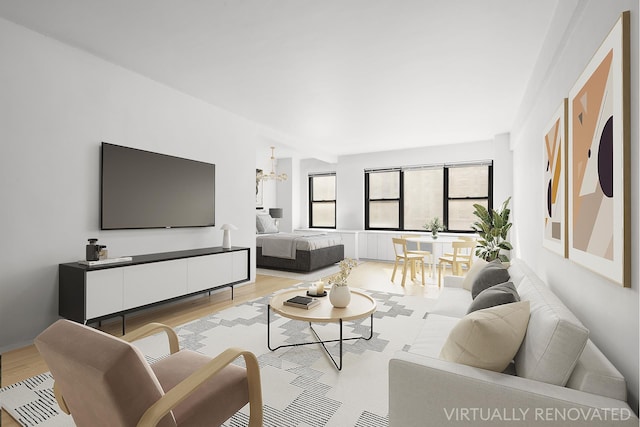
<point>275,213</point>
<point>226,238</point>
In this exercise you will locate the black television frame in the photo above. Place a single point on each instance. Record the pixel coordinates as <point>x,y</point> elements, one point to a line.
<point>163,167</point>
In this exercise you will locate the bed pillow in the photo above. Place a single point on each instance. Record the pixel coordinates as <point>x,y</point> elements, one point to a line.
<point>265,224</point>
<point>492,274</point>
<point>489,338</point>
<point>504,293</point>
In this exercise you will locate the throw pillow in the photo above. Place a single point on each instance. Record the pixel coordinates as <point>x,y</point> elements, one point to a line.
<point>476,267</point>
<point>489,338</point>
<point>266,224</point>
<point>492,274</point>
<point>504,293</point>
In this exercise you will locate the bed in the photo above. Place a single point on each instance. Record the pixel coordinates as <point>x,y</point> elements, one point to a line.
<point>298,252</point>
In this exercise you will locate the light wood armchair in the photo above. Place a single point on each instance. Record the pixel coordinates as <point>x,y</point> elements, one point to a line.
<point>104,380</point>
<point>407,259</point>
<point>462,256</point>
<point>420,251</point>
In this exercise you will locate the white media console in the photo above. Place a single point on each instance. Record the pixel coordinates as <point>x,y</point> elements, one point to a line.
<point>93,293</point>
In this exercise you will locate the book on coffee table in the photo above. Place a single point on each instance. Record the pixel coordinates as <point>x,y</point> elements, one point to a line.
<point>301,301</point>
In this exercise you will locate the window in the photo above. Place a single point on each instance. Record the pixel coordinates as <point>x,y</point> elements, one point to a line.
<point>383,204</point>
<point>467,185</point>
<point>406,198</point>
<point>322,200</point>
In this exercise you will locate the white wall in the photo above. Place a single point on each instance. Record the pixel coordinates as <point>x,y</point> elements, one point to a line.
<point>350,174</point>
<point>57,105</point>
<point>609,311</point>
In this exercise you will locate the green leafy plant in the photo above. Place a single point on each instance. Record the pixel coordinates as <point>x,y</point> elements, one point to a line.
<point>493,228</point>
<point>434,225</point>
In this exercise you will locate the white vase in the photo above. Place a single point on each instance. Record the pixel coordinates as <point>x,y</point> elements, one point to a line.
<point>340,296</point>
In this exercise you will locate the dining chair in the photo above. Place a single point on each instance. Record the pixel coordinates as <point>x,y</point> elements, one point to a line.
<point>408,260</point>
<point>418,250</point>
<point>462,256</point>
<point>102,380</point>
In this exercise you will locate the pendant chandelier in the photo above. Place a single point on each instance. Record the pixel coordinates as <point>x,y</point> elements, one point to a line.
<point>272,176</point>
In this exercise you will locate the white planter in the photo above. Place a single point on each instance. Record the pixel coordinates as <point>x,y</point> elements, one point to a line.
<point>340,296</point>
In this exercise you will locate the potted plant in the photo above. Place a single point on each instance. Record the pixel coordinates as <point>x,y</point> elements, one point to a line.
<point>434,226</point>
<point>492,227</point>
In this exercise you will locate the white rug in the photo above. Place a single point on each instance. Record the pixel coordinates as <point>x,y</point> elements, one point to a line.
<point>301,386</point>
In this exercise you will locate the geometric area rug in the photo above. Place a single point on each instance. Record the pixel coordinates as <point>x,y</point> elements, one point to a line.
<point>300,385</point>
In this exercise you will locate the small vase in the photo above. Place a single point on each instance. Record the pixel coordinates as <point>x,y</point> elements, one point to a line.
<point>434,234</point>
<point>340,296</point>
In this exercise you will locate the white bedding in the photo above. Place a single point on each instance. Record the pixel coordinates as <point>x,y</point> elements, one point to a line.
<point>285,245</point>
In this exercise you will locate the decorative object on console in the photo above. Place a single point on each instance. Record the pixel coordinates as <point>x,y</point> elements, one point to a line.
<point>226,238</point>
<point>272,176</point>
<point>93,250</point>
<point>599,160</point>
<point>276,214</point>
<point>340,294</point>
<point>434,226</point>
<point>493,228</point>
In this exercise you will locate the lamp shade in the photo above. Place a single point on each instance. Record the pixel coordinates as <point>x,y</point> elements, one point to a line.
<point>228,227</point>
<point>275,212</point>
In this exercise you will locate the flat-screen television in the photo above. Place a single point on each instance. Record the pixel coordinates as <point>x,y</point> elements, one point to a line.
<point>142,189</point>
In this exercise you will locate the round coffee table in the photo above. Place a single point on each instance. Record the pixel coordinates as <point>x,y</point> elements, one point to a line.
<point>360,306</point>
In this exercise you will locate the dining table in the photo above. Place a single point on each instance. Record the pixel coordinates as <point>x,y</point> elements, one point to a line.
<point>437,246</point>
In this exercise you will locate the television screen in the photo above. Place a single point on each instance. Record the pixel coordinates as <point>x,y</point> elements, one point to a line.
<point>141,189</point>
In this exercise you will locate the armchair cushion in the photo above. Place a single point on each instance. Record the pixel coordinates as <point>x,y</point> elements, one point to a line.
<point>215,401</point>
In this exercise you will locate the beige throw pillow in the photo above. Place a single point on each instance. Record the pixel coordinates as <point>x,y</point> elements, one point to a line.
<point>489,338</point>
<point>476,267</point>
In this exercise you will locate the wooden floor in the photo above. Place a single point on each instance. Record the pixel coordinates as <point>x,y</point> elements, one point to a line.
<point>22,363</point>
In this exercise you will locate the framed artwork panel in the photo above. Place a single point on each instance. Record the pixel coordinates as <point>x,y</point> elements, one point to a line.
<point>259,195</point>
<point>554,236</point>
<point>599,176</point>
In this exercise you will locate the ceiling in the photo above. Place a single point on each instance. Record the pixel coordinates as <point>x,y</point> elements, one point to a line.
<point>345,76</point>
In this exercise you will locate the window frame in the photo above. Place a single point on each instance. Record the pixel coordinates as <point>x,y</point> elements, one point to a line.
<point>398,199</point>
<point>327,201</point>
<point>445,193</point>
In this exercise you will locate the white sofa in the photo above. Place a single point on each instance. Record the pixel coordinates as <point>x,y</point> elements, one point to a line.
<point>562,378</point>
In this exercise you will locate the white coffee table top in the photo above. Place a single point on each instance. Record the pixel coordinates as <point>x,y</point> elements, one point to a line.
<point>361,305</point>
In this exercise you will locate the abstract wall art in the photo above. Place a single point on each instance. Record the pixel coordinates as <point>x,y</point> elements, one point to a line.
<point>598,172</point>
<point>554,236</point>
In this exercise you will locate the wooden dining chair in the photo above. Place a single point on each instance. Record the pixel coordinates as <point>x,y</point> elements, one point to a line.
<point>462,256</point>
<point>418,250</point>
<point>408,260</point>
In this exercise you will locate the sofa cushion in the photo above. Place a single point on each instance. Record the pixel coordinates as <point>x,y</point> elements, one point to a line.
<point>594,373</point>
<point>488,338</point>
<point>476,267</point>
<point>452,302</point>
<point>492,274</point>
<point>517,271</point>
<point>433,335</point>
<point>503,293</point>
<point>555,337</point>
